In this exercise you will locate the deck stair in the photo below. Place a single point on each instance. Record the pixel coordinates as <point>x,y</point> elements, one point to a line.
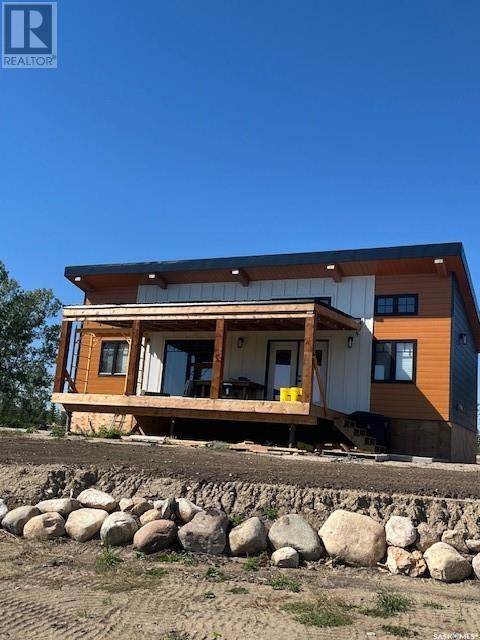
<point>357,436</point>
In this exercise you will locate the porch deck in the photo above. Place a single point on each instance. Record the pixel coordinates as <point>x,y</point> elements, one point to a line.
<point>200,408</point>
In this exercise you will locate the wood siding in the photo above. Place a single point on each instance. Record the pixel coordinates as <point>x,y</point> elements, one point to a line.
<point>87,378</point>
<point>429,397</point>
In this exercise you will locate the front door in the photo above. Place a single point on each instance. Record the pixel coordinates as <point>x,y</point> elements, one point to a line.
<point>283,367</point>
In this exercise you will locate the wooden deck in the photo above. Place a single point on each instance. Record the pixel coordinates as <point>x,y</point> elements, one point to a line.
<point>199,408</point>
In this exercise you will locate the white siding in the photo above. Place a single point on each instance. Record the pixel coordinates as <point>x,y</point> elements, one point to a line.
<point>348,377</point>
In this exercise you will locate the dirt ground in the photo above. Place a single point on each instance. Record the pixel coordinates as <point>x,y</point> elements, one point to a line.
<point>447,481</point>
<point>57,590</point>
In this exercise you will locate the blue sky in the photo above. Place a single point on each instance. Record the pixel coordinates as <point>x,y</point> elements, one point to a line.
<point>195,129</point>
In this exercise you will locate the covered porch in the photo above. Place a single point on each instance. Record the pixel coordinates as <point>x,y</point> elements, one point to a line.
<point>213,388</point>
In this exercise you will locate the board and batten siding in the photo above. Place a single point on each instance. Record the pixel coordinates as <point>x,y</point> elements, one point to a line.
<point>428,398</point>
<point>348,376</point>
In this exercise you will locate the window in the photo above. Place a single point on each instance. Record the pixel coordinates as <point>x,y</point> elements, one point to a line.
<point>398,305</point>
<point>394,361</point>
<point>114,358</point>
<point>186,360</point>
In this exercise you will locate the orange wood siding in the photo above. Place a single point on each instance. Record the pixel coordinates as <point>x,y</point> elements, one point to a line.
<point>429,397</point>
<point>87,378</point>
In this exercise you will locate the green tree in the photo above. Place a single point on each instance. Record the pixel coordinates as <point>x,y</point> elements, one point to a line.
<point>28,343</point>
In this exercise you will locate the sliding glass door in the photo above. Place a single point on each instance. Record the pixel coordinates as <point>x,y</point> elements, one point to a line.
<point>186,360</point>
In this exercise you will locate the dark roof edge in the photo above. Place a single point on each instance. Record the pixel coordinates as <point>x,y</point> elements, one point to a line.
<point>470,283</point>
<point>273,260</point>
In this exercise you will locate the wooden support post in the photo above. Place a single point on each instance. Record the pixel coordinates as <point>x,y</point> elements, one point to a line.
<point>134,358</point>
<point>218,359</point>
<point>308,352</point>
<point>292,437</point>
<point>62,356</point>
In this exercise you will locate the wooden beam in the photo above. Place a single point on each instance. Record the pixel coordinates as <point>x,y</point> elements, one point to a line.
<point>441,267</point>
<point>134,358</point>
<point>62,356</point>
<point>335,272</point>
<point>308,353</point>
<point>218,359</point>
<point>241,276</point>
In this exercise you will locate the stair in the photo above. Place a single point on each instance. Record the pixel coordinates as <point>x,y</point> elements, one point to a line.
<point>357,436</point>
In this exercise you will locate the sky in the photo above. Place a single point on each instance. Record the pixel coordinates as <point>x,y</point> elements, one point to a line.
<point>212,128</point>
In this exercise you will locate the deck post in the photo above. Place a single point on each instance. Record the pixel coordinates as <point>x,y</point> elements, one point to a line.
<point>134,358</point>
<point>218,359</point>
<point>292,437</point>
<point>308,352</point>
<point>62,356</point>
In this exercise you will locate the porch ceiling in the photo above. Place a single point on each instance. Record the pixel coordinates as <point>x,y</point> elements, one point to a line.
<point>255,316</point>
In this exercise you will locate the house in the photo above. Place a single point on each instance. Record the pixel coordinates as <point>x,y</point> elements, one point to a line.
<point>392,331</point>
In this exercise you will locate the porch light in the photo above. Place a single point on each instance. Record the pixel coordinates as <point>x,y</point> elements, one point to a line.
<point>240,343</point>
<point>350,342</point>
<point>463,338</point>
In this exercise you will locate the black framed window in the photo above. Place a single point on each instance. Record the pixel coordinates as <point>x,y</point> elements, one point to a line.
<point>113,358</point>
<point>394,361</point>
<point>397,305</point>
<point>185,360</point>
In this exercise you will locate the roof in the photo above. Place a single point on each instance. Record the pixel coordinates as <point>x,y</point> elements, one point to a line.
<point>410,259</point>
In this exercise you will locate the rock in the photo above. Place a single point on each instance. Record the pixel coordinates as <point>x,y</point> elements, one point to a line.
<point>293,531</point>
<point>205,533</point>
<point>150,516</point>
<point>249,538</point>
<point>186,509</point>
<point>3,509</point>
<point>400,531</point>
<point>84,524</point>
<point>16,519</point>
<point>446,564</point>
<point>95,499</point>
<point>419,568</point>
<point>158,504</point>
<point>285,558</point>
<point>155,536</point>
<point>135,506</point>
<point>426,536</point>
<point>473,545</point>
<point>168,508</point>
<point>476,566</point>
<point>354,538</point>
<point>46,526</point>
<point>399,560</point>
<point>118,529</point>
<point>456,539</point>
<point>63,506</point>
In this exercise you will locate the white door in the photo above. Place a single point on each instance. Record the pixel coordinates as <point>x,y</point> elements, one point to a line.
<point>321,351</point>
<point>282,369</point>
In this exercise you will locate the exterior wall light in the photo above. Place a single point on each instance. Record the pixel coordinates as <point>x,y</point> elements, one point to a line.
<point>152,276</point>
<point>463,338</point>
<point>350,342</point>
<point>240,343</point>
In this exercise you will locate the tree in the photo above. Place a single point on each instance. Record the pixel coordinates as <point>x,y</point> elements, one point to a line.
<point>28,343</point>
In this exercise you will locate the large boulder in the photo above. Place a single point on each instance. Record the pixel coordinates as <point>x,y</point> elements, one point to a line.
<point>205,533</point>
<point>63,506</point>
<point>155,536</point>
<point>249,538</point>
<point>84,524</point>
<point>118,529</point>
<point>399,560</point>
<point>293,531</point>
<point>426,536</point>
<point>476,566</point>
<point>456,539</point>
<point>400,531</point>
<point>285,558</point>
<point>135,506</point>
<point>186,509</point>
<point>95,499</point>
<point>150,516</point>
<point>16,519</point>
<point>446,564</point>
<point>3,509</point>
<point>354,538</point>
<point>46,526</point>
